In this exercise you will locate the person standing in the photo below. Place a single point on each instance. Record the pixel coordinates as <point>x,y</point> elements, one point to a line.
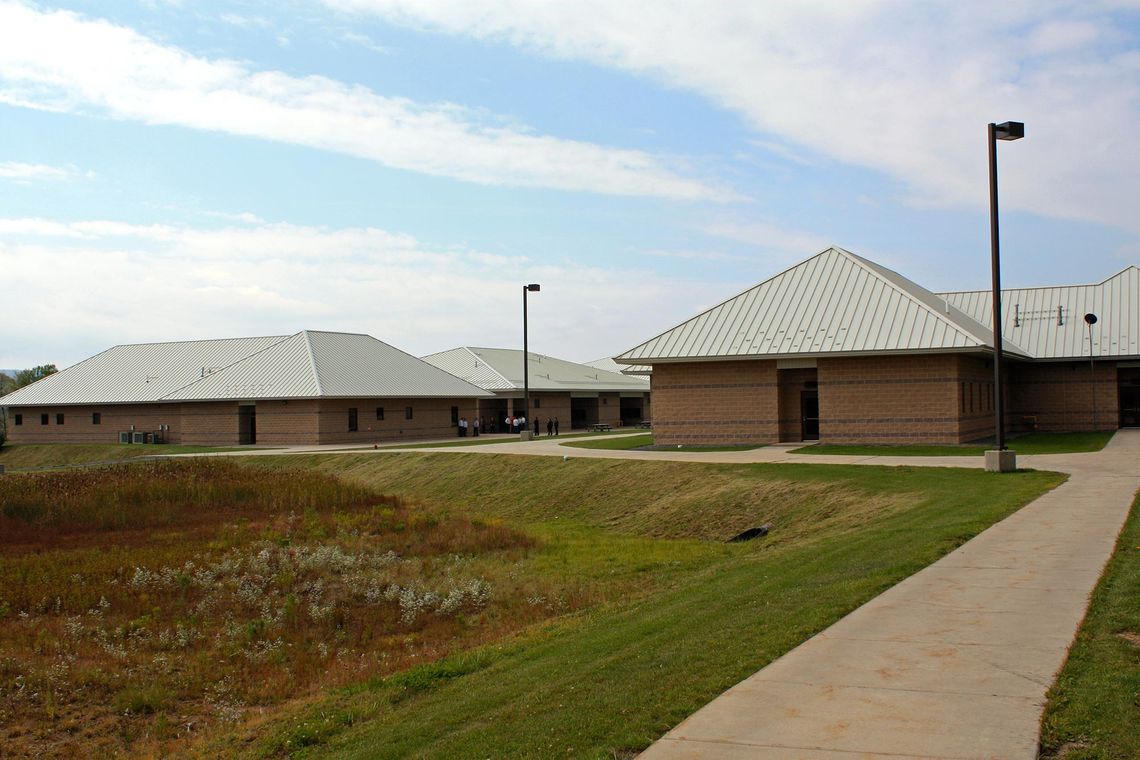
<point>536,427</point>
<point>476,426</point>
<point>556,426</point>
<point>549,427</point>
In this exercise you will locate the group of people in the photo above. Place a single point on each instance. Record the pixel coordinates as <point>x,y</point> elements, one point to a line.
<point>519,423</point>
<point>511,423</point>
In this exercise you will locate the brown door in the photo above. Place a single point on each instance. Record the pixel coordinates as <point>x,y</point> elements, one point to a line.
<point>809,415</point>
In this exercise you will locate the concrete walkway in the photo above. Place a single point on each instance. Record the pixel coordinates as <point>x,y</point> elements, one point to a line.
<point>953,662</point>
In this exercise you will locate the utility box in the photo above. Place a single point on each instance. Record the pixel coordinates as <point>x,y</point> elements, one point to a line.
<point>1001,461</point>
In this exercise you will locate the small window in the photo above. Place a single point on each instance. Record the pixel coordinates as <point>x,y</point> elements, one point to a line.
<point>59,418</point>
<point>96,418</point>
<point>379,412</point>
<point>19,419</point>
<point>537,403</point>
<point>454,415</point>
<point>352,420</point>
<point>407,412</point>
<point>43,419</point>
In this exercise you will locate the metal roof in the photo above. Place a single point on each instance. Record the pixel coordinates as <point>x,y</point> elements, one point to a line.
<point>501,369</point>
<point>833,303</point>
<point>308,364</point>
<point>1048,323</point>
<point>609,365</point>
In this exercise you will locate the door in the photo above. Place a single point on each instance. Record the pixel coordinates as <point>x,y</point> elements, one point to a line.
<point>809,415</point>
<point>247,425</point>
<point>1130,406</point>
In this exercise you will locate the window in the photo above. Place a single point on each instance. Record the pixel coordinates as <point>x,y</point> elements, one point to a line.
<point>454,415</point>
<point>537,403</point>
<point>962,398</point>
<point>379,412</point>
<point>19,420</point>
<point>59,418</point>
<point>352,420</point>
<point>43,419</point>
<point>96,418</point>
<point>407,412</point>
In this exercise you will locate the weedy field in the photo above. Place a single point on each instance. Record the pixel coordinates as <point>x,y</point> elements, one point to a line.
<point>398,604</point>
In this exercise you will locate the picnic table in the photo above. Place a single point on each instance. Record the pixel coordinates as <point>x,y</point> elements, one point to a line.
<point>599,427</point>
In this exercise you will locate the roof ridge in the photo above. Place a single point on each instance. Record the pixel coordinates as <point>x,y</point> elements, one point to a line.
<point>730,298</point>
<point>1043,287</point>
<point>490,366</point>
<point>313,362</point>
<point>228,366</point>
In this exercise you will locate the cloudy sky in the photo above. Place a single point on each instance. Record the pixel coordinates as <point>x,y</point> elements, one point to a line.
<point>177,170</point>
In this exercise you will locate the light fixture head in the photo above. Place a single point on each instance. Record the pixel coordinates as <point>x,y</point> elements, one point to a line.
<point>1009,130</point>
<point>1090,319</point>
<point>534,287</point>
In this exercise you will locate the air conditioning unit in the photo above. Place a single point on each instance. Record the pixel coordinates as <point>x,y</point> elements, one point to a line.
<point>124,436</point>
<point>138,437</point>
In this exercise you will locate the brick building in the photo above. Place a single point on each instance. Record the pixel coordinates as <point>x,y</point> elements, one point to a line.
<point>842,350</point>
<point>307,388</point>
<point>579,395</point>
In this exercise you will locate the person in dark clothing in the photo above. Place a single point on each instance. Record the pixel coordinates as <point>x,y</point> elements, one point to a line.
<point>536,427</point>
<point>549,427</point>
<point>556,426</point>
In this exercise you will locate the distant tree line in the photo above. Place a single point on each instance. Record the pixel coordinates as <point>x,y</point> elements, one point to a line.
<point>23,377</point>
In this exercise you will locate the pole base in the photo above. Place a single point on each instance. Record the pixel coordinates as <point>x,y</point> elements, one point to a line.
<point>525,435</point>
<point>1001,461</point>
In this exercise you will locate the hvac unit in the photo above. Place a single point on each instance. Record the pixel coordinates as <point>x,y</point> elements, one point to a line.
<point>124,436</point>
<point>138,437</point>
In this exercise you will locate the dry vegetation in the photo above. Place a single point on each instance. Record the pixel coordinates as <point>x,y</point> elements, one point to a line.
<point>141,606</point>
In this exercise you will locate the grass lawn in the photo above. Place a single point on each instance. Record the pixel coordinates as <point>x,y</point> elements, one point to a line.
<point>646,439</point>
<point>484,440</point>
<point>1094,707</point>
<point>1032,443</point>
<point>35,455</point>
<point>607,680</point>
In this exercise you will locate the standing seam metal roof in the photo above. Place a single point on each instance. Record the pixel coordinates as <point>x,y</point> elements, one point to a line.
<point>500,369</point>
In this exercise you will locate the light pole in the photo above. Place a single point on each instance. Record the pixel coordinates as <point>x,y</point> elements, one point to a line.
<point>1010,130</point>
<point>531,288</point>
<point>1090,320</point>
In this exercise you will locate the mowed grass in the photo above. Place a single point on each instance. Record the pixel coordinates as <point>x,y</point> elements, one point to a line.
<point>1093,711</point>
<point>485,440</point>
<point>1032,443</point>
<point>23,456</point>
<point>609,680</point>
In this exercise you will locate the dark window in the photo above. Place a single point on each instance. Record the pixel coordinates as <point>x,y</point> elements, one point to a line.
<point>537,403</point>
<point>43,419</point>
<point>352,420</point>
<point>96,418</point>
<point>19,419</point>
<point>962,398</point>
<point>454,415</point>
<point>407,412</point>
<point>59,418</point>
<point>379,412</point>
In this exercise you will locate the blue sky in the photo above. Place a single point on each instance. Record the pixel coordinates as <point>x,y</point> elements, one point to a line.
<point>177,170</point>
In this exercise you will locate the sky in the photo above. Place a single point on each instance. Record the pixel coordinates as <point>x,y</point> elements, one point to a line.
<point>184,170</point>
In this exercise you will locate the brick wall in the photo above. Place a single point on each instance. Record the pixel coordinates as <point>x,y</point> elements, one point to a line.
<point>210,423</point>
<point>733,402</point>
<point>1059,396</point>
<point>792,383</point>
<point>550,405</point>
<point>889,399</point>
<point>431,418</point>
<point>288,423</point>
<point>78,427</point>
<point>975,398</point>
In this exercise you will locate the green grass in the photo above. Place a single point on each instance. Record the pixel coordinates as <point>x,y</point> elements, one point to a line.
<point>486,441</point>
<point>1032,443</point>
<point>24,456</point>
<point>1094,708</point>
<point>608,681</point>
<point>646,439</point>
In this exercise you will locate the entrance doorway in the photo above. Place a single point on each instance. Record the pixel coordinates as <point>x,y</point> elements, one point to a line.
<point>809,415</point>
<point>1130,397</point>
<point>583,412</point>
<point>247,425</point>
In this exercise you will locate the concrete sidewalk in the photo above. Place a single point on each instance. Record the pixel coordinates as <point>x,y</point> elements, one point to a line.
<point>953,662</point>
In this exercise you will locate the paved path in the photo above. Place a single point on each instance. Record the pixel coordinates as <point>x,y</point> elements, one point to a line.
<point>953,662</point>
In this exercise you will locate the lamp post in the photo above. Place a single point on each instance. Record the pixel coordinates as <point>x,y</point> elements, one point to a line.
<point>1010,130</point>
<point>531,288</point>
<point>1090,320</point>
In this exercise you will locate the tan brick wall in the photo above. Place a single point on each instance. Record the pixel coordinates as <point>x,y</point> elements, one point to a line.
<point>975,398</point>
<point>889,399</point>
<point>1059,396</point>
<point>551,405</point>
<point>77,424</point>
<point>431,418</point>
<point>287,423</point>
<point>210,423</point>
<point>712,403</point>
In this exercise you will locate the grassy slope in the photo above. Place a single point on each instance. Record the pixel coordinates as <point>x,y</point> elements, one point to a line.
<point>1034,443</point>
<point>646,439</point>
<point>610,681</point>
<point>31,455</point>
<point>1094,708</point>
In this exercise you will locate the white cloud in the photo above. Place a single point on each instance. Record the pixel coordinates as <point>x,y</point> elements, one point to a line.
<point>81,286</point>
<point>768,236</point>
<point>901,87</point>
<point>60,61</point>
<point>21,172</point>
